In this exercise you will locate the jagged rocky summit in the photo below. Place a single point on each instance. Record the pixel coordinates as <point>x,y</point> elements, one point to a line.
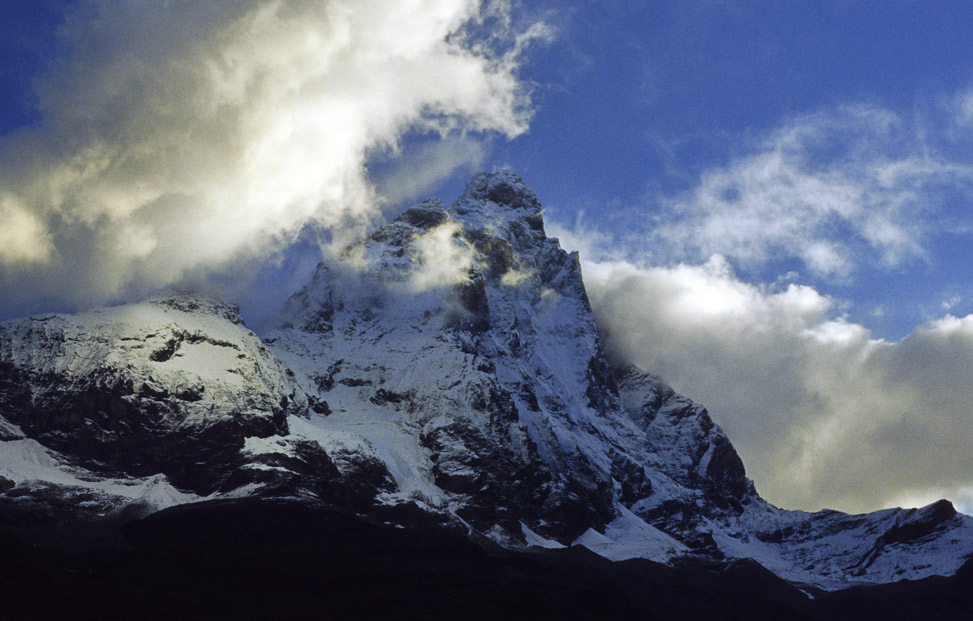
<point>449,363</point>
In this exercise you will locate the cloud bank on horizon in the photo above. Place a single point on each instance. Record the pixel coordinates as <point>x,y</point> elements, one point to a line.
<point>823,415</point>
<point>178,138</point>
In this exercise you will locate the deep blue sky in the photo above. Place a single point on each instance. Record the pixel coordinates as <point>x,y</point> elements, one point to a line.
<point>27,45</point>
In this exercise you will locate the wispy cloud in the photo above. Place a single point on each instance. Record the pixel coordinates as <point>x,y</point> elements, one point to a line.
<point>181,137</point>
<point>834,190</point>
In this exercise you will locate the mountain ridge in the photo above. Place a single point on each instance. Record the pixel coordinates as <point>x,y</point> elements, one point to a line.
<point>449,363</point>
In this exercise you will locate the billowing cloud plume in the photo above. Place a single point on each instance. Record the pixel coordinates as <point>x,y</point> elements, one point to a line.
<point>178,137</point>
<point>833,190</point>
<point>822,414</point>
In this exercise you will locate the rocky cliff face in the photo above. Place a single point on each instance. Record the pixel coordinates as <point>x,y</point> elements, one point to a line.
<point>467,331</point>
<point>448,363</point>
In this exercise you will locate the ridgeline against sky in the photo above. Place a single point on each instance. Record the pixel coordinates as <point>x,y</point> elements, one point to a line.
<point>771,200</point>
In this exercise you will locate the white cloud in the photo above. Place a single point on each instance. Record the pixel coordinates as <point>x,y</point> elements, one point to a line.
<point>413,174</point>
<point>951,302</point>
<point>822,414</point>
<point>441,258</point>
<point>834,190</point>
<point>962,109</point>
<point>22,237</point>
<point>182,137</point>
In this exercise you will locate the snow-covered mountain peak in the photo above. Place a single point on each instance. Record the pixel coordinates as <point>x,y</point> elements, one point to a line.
<point>434,264</point>
<point>457,365</point>
<point>448,362</point>
<point>495,224</point>
<point>499,368</point>
<point>499,197</point>
<point>501,216</point>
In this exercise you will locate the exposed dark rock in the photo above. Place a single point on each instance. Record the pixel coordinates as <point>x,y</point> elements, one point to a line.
<point>473,312</point>
<point>113,430</point>
<point>354,381</point>
<point>382,397</point>
<point>319,406</point>
<point>427,215</point>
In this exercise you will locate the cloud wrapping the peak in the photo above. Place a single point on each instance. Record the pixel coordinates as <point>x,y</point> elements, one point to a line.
<point>179,137</point>
<point>440,259</point>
